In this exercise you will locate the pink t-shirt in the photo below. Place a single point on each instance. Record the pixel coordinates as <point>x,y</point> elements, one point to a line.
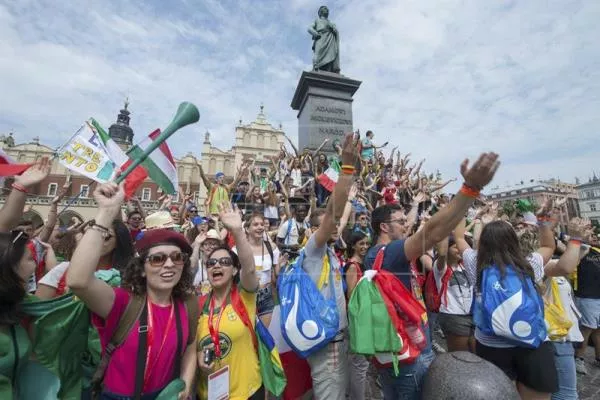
<point>120,374</point>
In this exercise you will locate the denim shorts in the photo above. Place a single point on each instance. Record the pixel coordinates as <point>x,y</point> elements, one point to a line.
<point>265,303</point>
<point>590,312</point>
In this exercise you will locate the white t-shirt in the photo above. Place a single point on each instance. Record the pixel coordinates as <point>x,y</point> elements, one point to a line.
<point>293,236</point>
<point>470,263</point>
<point>264,264</point>
<point>566,297</point>
<point>53,277</point>
<point>296,176</point>
<point>459,295</point>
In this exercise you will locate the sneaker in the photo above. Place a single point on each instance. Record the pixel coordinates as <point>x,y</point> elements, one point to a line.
<point>580,366</point>
<point>437,347</point>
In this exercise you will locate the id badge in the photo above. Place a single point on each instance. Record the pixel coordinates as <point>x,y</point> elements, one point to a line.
<point>218,384</point>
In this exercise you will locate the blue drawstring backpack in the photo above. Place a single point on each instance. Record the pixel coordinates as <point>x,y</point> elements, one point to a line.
<point>309,321</point>
<point>510,307</point>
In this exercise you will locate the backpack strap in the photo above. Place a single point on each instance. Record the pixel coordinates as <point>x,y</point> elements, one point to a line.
<point>270,251</point>
<point>128,319</point>
<point>140,364</point>
<point>191,306</point>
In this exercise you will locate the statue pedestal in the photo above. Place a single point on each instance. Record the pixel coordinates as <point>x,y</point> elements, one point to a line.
<point>324,104</point>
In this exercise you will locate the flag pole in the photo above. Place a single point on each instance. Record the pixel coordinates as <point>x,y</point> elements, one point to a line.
<point>74,199</point>
<point>187,114</point>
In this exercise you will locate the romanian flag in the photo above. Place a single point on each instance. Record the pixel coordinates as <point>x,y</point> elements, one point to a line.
<point>271,369</point>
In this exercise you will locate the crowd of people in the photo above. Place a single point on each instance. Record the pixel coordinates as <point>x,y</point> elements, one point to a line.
<point>177,292</point>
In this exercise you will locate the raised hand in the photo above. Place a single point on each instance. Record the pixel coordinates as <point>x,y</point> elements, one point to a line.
<point>482,172</point>
<point>350,150</point>
<point>230,217</point>
<point>34,174</point>
<point>109,197</point>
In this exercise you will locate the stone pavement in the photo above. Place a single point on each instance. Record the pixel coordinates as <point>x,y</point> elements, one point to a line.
<point>588,386</point>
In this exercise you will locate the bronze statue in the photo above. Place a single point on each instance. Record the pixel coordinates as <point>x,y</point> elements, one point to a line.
<point>326,43</point>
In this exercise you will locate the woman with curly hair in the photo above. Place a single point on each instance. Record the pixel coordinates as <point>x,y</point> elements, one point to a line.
<point>157,347</point>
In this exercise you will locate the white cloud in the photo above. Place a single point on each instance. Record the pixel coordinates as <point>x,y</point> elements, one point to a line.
<point>442,79</point>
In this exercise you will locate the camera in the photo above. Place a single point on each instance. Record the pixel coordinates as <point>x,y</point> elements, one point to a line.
<point>209,356</point>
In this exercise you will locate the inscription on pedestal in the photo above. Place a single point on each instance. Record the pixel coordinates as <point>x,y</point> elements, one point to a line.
<point>324,101</point>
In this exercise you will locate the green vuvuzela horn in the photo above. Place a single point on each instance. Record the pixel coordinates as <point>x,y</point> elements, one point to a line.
<point>187,114</point>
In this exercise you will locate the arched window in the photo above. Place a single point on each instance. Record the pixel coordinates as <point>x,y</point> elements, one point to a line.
<point>227,167</point>
<point>212,166</point>
<point>260,143</point>
<point>274,142</point>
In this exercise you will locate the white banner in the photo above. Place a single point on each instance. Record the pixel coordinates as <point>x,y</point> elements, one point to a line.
<point>83,156</point>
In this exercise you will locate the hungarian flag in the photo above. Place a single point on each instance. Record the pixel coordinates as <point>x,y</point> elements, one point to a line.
<point>8,167</point>
<point>118,156</point>
<point>160,164</point>
<point>329,178</point>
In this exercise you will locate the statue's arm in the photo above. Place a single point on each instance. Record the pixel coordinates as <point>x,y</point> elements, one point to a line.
<point>312,30</point>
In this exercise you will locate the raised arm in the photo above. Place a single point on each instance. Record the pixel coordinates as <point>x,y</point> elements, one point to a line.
<point>46,232</point>
<point>205,180</point>
<point>97,295</point>
<point>292,144</point>
<point>12,210</point>
<point>570,258</point>
<point>444,222</point>
<point>314,153</point>
<point>232,220</point>
<point>337,202</point>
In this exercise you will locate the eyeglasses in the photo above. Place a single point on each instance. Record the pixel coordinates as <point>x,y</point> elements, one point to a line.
<point>158,259</point>
<point>397,220</point>
<point>223,262</point>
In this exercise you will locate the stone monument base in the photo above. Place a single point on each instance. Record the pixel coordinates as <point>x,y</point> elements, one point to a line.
<point>324,104</point>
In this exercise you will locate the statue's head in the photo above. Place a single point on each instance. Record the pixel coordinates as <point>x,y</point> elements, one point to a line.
<point>323,11</point>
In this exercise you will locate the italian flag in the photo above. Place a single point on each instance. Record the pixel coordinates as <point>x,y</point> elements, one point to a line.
<point>160,164</point>
<point>8,167</point>
<point>118,156</point>
<point>329,178</point>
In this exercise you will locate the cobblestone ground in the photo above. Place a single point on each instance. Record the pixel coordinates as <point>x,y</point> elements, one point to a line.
<point>588,385</point>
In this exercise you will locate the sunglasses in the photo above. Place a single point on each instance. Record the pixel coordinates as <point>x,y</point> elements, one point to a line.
<point>159,259</point>
<point>16,235</point>
<point>193,211</point>
<point>223,262</point>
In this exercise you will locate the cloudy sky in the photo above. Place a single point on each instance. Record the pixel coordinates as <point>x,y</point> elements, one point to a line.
<point>442,79</point>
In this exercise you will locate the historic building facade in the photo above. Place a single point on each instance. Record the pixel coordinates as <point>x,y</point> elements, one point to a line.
<point>257,140</point>
<point>589,201</point>
<point>537,191</point>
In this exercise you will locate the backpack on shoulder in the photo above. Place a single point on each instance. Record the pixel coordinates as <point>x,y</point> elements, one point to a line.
<point>510,307</point>
<point>309,321</point>
<point>133,312</point>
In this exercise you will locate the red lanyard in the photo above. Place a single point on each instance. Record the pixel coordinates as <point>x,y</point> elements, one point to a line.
<point>149,366</point>
<point>214,331</point>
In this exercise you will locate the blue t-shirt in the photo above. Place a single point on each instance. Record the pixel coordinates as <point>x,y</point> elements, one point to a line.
<point>395,261</point>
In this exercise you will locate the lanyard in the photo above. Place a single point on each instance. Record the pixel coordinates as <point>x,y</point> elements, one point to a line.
<point>214,331</point>
<point>149,365</point>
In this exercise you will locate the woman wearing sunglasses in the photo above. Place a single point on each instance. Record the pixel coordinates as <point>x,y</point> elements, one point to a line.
<point>16,267</point>
<point>228,313</point>
<point>160,275</point>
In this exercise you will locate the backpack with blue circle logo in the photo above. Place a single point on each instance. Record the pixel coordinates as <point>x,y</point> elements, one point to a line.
<point>510,307</point>
<point>309,321</point>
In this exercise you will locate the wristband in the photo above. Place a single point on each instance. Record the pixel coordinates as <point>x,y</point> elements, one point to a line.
<point>576,241</point>
<point>347,170</point>
<point>469,191</point>
<point>20,188</point>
